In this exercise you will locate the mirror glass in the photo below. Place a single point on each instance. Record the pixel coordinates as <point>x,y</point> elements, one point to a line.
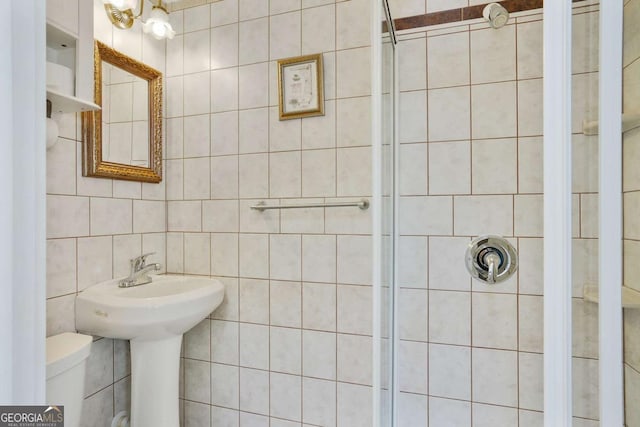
<point>125,117</point>
<point>123,140</point>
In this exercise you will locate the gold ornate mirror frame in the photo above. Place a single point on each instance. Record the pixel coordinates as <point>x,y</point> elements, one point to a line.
<point>92,162</point>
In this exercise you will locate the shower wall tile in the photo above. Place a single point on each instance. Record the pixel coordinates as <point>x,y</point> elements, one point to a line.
<point>448,61</point>
<point>484,158</point>
<point>493,55</point>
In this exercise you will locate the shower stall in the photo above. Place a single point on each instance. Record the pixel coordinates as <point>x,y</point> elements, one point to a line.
<point>478,160</point>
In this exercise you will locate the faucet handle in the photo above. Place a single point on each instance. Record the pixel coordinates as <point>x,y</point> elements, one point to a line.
<point>140,262</point>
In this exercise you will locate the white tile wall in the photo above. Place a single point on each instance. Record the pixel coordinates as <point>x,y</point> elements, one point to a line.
<point>291,343</point>
<point>471,164</point>
<point>94,226</point>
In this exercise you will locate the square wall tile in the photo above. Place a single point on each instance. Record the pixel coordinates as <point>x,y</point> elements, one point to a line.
<point>319,306</point>
<point>412,262</point>
<point>285,350</point>
<point>450,317</point>
<point>285,178</point>
<point>94,260</point>
<point>353,76</point>
<point>479,215</point>
<point>413,169</point>
<point>354,260</point>
<point>318,258</point>
<point>448,60</point>
<point>224,254</point>
<point>354,359</point>
<point>495,377</point>
<point>495,320</point>
<point>253,84</point>
<point>449,114</point>
<point>354,310</point>
<point>61,267</point>
<point>224,46</point>
<point>490,415</point>
<point>413,210</point>
<point>254,297</point>
<point>448,412</point>
<point>530,42</point>
<point>493,110</point>
<point>194,86</point>
<point>445,252</point>
<point>413,116</point>
<point>319,173</point>
<point>450,371</point>
<point>318,29</point>
<point>318,402</point>
<point>412,370</point>
<point>197,256</point>
<point>494,166</point>
<point>354,403</point>
<point>254,391</point>
<point>413,320</point>
<point>253,44</point>
<point>285,304</point>
<point>319,354</point>
<point>285,257</point>
<point>224,90</point>
<point>285,393</point>
<point>285,38</point>
<point>445,157</point>
<point>110,216</point>
<point>412,64</point>
<point>493,55</point>
<point>254,346</point>
<point>225,338</point>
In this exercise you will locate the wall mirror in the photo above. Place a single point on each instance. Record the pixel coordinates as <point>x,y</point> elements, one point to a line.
<point>124,139</point>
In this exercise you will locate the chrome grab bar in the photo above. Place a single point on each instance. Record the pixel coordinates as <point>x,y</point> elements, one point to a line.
<point>362,204</point>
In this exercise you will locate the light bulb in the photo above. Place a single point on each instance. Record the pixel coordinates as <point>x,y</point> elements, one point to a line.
<point>159,29</point>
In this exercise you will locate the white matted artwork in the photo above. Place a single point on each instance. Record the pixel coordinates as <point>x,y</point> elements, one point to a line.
<point>300,87</point>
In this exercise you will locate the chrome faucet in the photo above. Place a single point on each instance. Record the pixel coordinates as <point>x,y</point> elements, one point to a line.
<point>139,270</point>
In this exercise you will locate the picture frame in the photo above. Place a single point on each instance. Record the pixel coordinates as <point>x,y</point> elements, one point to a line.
<point>301,87</point>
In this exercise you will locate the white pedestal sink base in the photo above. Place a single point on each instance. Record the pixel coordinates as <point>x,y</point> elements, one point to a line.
<point>155,367</point>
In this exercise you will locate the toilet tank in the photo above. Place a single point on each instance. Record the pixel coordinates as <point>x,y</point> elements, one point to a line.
<point>66,367</point>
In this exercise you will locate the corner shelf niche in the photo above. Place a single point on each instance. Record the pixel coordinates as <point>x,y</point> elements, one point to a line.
<point>630,297</point>
<point>66,48</point>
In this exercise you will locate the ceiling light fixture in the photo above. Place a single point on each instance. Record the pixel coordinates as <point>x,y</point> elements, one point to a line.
<point>121,14</point>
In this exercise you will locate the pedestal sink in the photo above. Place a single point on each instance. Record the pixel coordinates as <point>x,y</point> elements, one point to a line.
<point>153,317</point>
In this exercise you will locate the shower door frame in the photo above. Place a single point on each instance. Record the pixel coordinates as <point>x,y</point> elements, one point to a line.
<point>558,283</point>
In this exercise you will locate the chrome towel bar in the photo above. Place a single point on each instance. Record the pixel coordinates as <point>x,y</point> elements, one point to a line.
<point>362,204</point>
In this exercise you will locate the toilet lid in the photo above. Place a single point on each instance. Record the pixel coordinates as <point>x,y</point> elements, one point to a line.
<point>65,351</point>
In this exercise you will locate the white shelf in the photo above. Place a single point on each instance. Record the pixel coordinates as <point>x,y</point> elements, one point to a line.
<point>630,297</point>
<point>62,103</point>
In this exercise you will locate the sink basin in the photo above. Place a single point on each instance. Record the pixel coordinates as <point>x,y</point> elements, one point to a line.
<point>153,317</point>
<point>168,306</point>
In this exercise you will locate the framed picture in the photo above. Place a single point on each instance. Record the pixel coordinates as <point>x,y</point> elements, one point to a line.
<point>300,87</point>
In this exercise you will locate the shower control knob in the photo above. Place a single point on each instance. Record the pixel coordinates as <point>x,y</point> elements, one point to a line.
<point>491,259</point>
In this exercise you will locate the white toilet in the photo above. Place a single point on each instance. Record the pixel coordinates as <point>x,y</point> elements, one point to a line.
<point>66,366</point>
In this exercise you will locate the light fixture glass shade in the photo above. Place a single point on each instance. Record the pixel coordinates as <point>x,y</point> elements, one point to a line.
<point>158,24</point>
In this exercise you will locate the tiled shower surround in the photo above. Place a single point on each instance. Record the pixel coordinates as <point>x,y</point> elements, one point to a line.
<point>291,345</point>
<point>470,128</point>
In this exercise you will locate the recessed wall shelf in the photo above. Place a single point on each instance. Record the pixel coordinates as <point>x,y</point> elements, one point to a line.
<point>630,297</point>
<point>69,104</point>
